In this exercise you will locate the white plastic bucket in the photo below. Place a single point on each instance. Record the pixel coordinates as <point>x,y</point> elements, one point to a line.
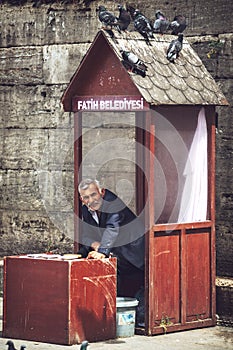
<point>125,316</point>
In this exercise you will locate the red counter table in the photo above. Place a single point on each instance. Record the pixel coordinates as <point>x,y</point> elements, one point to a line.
<point>59,301</point>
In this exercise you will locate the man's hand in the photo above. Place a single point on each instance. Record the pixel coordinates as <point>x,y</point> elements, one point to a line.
<point>95,255</point>
<point>95,246</point>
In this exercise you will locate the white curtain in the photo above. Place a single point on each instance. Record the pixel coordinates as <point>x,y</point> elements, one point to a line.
<point>195,194</point>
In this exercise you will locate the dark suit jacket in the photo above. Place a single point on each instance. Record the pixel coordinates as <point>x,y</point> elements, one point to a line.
<point>119,230</point>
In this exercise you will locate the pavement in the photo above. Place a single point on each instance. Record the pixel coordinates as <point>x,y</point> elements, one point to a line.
<point>211,338</point>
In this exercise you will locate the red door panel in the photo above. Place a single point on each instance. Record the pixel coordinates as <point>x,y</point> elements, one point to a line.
<point>198,276</point>
<point>166,277</point>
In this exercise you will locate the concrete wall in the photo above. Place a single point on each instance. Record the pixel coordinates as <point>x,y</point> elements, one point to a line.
<point>40,49</point>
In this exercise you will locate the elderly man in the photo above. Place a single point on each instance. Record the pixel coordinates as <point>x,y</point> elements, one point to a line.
<point>110,227</point>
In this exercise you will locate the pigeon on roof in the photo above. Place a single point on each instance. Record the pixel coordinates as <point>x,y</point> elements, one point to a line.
<point>124,18</point>
<point>131,11</point>
<point>161,24</point>
<point>174,48</point>
<point>178,25</point>
<point>133,63</point>
<point>143,26</point>
<point>107,18</point>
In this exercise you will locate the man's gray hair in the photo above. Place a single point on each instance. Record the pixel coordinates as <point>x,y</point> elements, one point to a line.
<point>85,183</point>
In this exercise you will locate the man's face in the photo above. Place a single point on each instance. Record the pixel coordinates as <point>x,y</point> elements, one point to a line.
<point>92,197</point>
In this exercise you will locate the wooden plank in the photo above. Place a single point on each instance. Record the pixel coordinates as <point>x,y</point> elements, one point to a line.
<point>198,276</point>
<point>181,327</point>
<point>149,202</point>
<point>34,296</point>
<point>183,277</point>
<point>92,300</point>
<point>166,280</point>
<point>211,178</point>
<point>180,226</point>
<point>210,119</point>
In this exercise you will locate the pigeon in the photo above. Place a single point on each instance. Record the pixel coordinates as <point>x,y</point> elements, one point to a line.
<point>161,24</point>
<point>84,345</point>
<point>131,11</point>
<point>11,345</point>
<point>107,18</point>
<point>133,63</point>
<point>143,26</point>
<point>174,48</point>
<point>178,25</point>
<point>124,18</point>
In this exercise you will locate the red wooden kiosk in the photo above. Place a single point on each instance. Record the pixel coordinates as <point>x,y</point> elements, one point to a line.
<point>174,107</point>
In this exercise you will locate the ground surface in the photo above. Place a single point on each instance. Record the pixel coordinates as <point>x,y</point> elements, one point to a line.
<point>212,338</point>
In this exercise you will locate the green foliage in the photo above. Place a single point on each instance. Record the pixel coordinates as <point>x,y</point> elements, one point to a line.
<point>215,48</point>
<point>165,322</point>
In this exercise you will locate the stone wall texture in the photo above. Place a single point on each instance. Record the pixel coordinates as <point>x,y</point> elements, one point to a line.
<point>41,46</point>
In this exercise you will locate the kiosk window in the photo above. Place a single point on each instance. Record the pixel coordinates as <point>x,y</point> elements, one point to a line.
<point>180,165</point>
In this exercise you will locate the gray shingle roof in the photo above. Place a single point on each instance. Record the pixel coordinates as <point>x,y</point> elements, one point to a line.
<point>186,81</point>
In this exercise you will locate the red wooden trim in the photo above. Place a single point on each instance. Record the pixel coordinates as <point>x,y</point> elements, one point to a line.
<point>149,247</point>
<point>210,117</point>
<point>213,273</point>
<point>183,276</point>
<point>4,292</point>
<point>181,327</point>
<point>141,187</point>
<point>77,175</point>
<point>150,148</point>
<point>212,156</point>
<point>141,194</point>
<point>186,225</point>
<point>151,174</point>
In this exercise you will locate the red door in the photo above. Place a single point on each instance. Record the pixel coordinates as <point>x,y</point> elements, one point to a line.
<point>180,259</point>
